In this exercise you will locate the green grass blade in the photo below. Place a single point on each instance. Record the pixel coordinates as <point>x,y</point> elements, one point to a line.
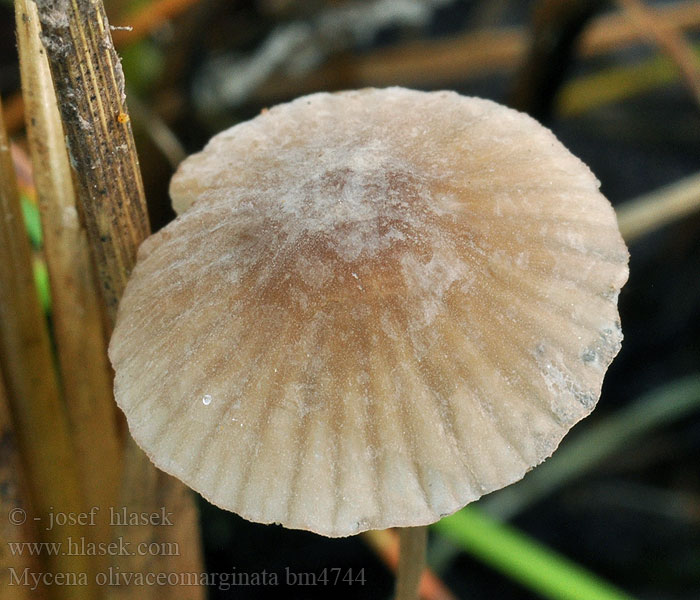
<point>32,221</point>
<point>41,280</point>
<point>523,559</point>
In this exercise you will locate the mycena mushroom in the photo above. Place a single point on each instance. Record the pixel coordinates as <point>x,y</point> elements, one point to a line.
<point>378,306</point>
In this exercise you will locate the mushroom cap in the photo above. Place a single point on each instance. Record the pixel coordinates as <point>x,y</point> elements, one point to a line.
<point>378,306</point>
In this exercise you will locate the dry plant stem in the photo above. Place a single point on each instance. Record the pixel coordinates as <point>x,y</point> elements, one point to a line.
<point>147,490</point>
<point>14,113</point>
<point>615,31</point>
<point>28,372</point>
<point>13,496</point>
<point>649,212</point>
<point>89,86</point>
<point>90,90</point>
<point>75,303</point>
<point>671,41</point>
<point>412,548</point>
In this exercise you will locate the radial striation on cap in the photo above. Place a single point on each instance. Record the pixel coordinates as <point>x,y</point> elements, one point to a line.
<point>374,307</point>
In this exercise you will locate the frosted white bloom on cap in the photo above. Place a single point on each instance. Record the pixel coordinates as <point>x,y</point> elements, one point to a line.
<point>379,306</point>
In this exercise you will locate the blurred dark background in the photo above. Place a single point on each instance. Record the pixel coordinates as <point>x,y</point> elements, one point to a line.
<point>594,74</point>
